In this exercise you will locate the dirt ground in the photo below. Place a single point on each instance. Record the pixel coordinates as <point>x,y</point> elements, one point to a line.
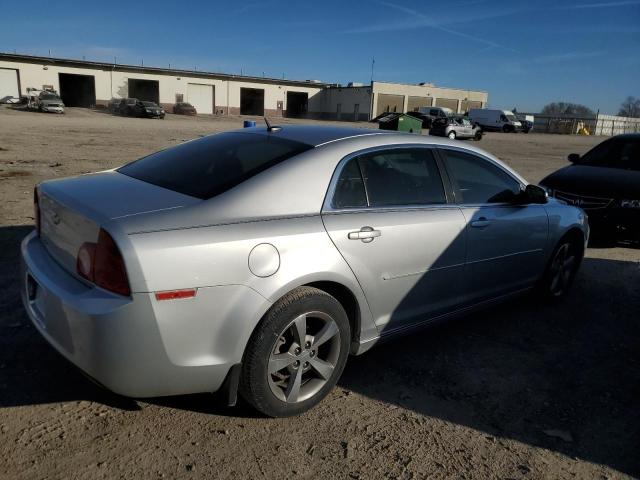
<point>524,391</point>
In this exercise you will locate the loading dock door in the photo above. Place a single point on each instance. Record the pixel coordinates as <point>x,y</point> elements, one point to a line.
<point>201,97</point>
<point>251,101</point>
<point>469,104</point>
<point>297,104</point>
<point>147,90</point>
<point>415,103</point>
<point>77,90</point>
<point>8,84</point>
<point>389,103</point>
<point>447,103</point>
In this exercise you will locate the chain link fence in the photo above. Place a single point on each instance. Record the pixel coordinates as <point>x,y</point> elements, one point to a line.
<point>606,125</point>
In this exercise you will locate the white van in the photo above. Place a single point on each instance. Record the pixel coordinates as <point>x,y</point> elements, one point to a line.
<point>497,120</point>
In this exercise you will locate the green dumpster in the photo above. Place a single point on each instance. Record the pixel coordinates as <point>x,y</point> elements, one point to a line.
<point>400,122</point>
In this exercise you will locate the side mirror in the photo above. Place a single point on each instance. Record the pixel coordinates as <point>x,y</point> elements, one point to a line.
<point>574,157</point>
<point>535,194</point>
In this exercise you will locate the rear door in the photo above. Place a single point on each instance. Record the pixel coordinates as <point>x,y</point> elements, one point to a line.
<point>505,241</point>
<point>389,216</point>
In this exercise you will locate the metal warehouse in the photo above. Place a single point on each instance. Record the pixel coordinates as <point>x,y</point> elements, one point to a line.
<point>92,84</point>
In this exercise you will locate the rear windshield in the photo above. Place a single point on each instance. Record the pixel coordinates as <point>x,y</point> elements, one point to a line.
<point>208,166</point>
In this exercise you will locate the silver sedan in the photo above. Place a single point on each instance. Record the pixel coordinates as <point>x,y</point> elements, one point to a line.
<point>258,260</point>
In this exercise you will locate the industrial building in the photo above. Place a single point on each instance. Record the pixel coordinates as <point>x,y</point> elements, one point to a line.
<point>91,84</point>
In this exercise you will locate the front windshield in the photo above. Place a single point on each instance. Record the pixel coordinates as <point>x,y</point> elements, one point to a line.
<point>511,117</point>
<point>148,104</point>
<point>49,97</point>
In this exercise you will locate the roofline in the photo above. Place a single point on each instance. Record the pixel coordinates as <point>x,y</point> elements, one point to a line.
<point>365,134</point>
<point>158,70</point>
<point>432,86</point>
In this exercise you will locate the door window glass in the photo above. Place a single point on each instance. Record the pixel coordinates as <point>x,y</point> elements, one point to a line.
<point>614,153</point>
<point>478,181</point>
<point>349,192</point>
<point>402,177</point>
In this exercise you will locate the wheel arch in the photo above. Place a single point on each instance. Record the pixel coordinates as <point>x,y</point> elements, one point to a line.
<point>352,299</point>
<point>347,299</point>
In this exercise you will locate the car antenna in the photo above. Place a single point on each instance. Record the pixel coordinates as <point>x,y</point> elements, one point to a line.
<point>271,128</point>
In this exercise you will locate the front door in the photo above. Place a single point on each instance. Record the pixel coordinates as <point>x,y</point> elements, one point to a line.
<point>389,218</point>
<point>505,241</point>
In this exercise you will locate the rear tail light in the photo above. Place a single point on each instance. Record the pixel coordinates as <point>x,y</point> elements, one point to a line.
<point>102,263</point>
<point>36,209</point>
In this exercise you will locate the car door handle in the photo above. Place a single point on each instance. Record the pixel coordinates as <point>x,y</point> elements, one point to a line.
<point>366,234</point>
<point>481,222</point>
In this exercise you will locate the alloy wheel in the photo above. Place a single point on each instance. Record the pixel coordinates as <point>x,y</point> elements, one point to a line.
<point>304,357</point>
<point>562,269</point>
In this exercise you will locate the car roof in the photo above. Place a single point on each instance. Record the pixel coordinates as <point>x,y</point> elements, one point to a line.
<point>315,135</point>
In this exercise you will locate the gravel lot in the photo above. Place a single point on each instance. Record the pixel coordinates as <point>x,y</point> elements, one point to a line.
<point>527,390</point>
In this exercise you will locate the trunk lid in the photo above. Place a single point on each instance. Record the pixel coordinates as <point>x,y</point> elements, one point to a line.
<point>72,210</point>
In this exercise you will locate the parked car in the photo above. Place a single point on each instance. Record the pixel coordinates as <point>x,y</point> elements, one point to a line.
<point>428,114</point>
<point>259,259</point>
<point>527,122</point>
<point>605,182</point>
<point>114,105</point>
<point>146,109</point>
<point>184,108</point>
<point>495,120</point>
<point>50,102</point>
<point>127,106</point>
<point>455,127</point>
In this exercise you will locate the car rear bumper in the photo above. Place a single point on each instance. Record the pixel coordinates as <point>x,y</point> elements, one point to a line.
<point>136,346</point>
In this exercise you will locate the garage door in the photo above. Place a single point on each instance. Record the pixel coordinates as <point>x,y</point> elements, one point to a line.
<point>201,97</point>
<point>447,103</point>
<point>389,103</point>
<point>415,103</point>
<point>8,84</point>
<point>469,104</point>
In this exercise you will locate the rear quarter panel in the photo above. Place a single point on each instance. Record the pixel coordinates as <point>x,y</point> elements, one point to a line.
<point>219,256</point>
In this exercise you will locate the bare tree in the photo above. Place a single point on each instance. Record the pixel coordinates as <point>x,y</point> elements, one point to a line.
<point>630,107</point>
<point>565,108</point>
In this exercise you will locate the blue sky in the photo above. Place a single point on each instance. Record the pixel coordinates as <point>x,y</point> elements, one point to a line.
<point>524,53</point>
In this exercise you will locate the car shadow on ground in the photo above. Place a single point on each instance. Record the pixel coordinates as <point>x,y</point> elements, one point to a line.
<point>563,376</point>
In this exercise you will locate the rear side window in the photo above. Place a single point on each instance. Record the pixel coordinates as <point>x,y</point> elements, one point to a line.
<point>212,165</point>
<point>350,191</point>
<point>402,177</point>
<point>390,178</point>
<point>478,181</point>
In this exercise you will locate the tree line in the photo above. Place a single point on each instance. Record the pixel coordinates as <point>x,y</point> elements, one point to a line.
<point>630,107</point>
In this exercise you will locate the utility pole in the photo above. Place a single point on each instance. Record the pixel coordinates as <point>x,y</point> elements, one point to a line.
<point>373,62</point>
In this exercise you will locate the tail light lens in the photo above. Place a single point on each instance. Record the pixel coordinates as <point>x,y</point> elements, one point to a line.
<point>36,210</point>
<point>102,264</point>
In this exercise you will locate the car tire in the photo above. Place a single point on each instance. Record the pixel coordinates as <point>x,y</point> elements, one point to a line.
<point>284,375</point>
<point>506,129</point>
<point>477,136</point>
<point>452,135</point>
<point>562,268</point>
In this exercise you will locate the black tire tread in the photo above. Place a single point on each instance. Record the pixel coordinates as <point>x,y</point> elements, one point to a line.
<point>265,332</point>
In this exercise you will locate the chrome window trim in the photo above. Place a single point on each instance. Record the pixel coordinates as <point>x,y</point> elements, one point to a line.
<point>519,181</point>
<point>328,208</point>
